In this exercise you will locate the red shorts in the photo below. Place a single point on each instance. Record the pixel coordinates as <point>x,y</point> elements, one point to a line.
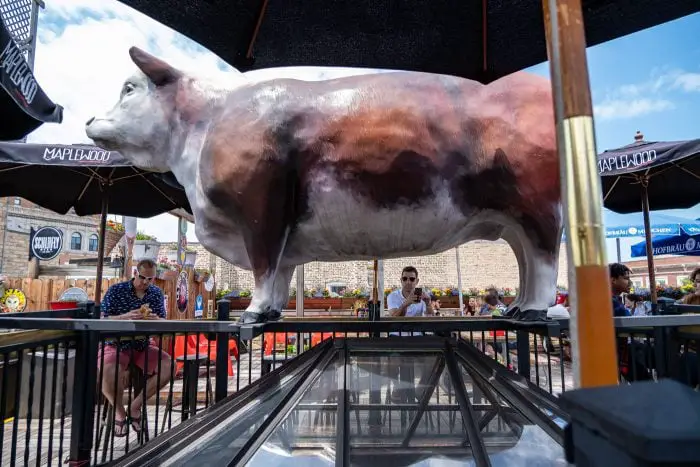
<point>139,358</point>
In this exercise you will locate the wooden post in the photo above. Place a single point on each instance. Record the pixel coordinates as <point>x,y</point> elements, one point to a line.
<point>300,291</point>
<point>593,334</point>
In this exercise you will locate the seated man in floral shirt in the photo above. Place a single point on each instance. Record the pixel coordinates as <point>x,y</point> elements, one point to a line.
<point>134,299</point>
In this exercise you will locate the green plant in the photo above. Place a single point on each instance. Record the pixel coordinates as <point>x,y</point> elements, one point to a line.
<point>221,293</point>
<point>144,236</point>
<point>245,293</point>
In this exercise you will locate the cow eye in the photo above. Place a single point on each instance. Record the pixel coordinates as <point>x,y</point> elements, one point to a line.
<point>128,87</point>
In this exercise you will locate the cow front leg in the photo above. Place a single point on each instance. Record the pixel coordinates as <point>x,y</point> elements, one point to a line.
<point>271,281</point>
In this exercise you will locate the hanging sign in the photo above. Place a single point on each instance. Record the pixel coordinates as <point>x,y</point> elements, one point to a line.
<point>45,243</point>
<point>181,291</point>
<point>181,241</point>
<point>198,307</point>
<point>209,283</point>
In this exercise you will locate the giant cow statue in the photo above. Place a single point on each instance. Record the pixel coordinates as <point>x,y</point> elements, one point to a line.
<point>284,172</point>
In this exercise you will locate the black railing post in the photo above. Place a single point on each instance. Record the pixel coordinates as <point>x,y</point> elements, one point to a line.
<point>84,393</point>
<point>222,353</point>
<point>523,351</point>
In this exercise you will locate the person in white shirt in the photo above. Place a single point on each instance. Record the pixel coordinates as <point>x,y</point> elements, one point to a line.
<point>404,301</point>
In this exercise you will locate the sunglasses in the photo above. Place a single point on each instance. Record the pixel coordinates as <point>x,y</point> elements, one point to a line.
<point>144,278</point>
<point>411,279</point>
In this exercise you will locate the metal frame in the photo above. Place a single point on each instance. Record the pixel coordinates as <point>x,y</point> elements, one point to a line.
<point>310,366</point>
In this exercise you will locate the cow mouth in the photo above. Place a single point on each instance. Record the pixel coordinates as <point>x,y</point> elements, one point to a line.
<point>104,143</point>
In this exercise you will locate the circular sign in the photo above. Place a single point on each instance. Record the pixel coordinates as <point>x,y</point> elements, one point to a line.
<point>46,243</point>
<point>13,301</point>
<point>181,292</point>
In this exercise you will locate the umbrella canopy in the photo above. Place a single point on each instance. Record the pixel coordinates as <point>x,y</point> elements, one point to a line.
<point>632,225</point>
<point>684,244</point>
<point>477,39</point>
<point>59,177</point>
<point>23,104</point>
<point>670,171</point>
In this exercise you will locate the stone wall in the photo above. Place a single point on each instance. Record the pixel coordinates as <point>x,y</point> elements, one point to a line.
<point>18,215</point>
<point>482,264</point>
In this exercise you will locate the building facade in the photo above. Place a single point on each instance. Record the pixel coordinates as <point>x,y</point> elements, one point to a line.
<point>17,216</point>
<point>482,264</point>
<point>670,270</point>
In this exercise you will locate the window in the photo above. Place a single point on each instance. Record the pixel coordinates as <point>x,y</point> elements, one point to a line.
<point>92,243</point>
<point>638,283</point>
<point>18,201</point>
<point>76,241</point>
<point>662,281</point>
<point>680,280</point>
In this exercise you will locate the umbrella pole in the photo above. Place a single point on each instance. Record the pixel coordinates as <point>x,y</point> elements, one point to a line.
<point>101,250</point>
<point>593,334</point>
<point>647,235</point>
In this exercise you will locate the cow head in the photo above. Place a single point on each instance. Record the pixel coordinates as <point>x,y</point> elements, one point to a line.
<point>140,126</point>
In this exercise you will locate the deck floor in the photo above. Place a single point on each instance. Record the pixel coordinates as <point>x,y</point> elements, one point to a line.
<point>41,445</point>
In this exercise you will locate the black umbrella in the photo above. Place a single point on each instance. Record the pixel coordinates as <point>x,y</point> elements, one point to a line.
<point>23,104</point>
<point>653,176</point>
<point>477,39</point>
<point>60,177</point>
<point>88,179</point>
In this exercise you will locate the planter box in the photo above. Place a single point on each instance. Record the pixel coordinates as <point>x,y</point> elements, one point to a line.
<point>10,385</point>
<point>309,303</point>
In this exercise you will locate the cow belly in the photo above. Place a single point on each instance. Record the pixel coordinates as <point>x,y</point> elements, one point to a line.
<point>344,227</point>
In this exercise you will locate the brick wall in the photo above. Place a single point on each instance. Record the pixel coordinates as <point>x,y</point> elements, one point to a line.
<point>16,218</point>
<point>482,264</point>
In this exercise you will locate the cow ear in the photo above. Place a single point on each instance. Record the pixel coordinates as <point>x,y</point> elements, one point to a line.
<point>159,72</point>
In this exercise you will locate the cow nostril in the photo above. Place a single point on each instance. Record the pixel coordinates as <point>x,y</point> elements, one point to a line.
<point>92,119</point>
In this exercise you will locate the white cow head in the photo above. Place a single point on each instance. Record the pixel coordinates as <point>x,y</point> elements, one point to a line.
<point>140,126</point>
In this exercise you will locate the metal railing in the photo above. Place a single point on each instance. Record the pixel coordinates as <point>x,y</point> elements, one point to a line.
<point>58,381</point>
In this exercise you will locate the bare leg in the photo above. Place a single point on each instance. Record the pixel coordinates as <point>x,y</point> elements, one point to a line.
<point>115,395</point>
<point>154,383</point>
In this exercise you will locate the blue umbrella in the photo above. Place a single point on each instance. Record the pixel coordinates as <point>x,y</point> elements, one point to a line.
<point>683,244</point>
<point>632,225</point>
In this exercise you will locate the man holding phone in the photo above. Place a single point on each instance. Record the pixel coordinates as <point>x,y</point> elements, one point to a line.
<point>409,300</point>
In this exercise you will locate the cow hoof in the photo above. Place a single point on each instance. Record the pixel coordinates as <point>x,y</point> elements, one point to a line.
<point>272,315</point>
<point>252,317</point>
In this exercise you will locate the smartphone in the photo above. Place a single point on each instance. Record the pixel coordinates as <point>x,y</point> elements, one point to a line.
<point>419,294</point>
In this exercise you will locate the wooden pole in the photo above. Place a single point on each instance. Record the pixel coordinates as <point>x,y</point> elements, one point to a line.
<point>300,291</point>
<point>459,283</point>
<point>647,238</point>
<point>593,334</point>
<point>101,249</point>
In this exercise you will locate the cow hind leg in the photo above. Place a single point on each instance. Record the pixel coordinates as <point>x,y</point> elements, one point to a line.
<point>537,259</point>
<point>270,297</point>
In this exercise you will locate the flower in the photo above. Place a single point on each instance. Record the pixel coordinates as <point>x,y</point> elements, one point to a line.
<point>115,226</point>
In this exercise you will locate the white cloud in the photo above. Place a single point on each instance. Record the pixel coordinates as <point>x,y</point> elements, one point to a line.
<point>620,108</point>
<point>82,60</point>
<point>647,97</point>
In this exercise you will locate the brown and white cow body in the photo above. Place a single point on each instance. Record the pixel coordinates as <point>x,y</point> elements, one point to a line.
<point>283,172</point>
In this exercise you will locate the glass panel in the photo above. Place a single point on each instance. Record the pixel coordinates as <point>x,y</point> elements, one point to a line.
<point>307,436</point>
<point>225,439</point>
<point>509,438</point>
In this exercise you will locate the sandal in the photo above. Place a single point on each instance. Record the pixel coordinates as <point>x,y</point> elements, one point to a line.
<point>120,429</point>
<point>135,423</point>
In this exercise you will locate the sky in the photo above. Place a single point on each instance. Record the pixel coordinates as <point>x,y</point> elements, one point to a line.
<point>647,81</point>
